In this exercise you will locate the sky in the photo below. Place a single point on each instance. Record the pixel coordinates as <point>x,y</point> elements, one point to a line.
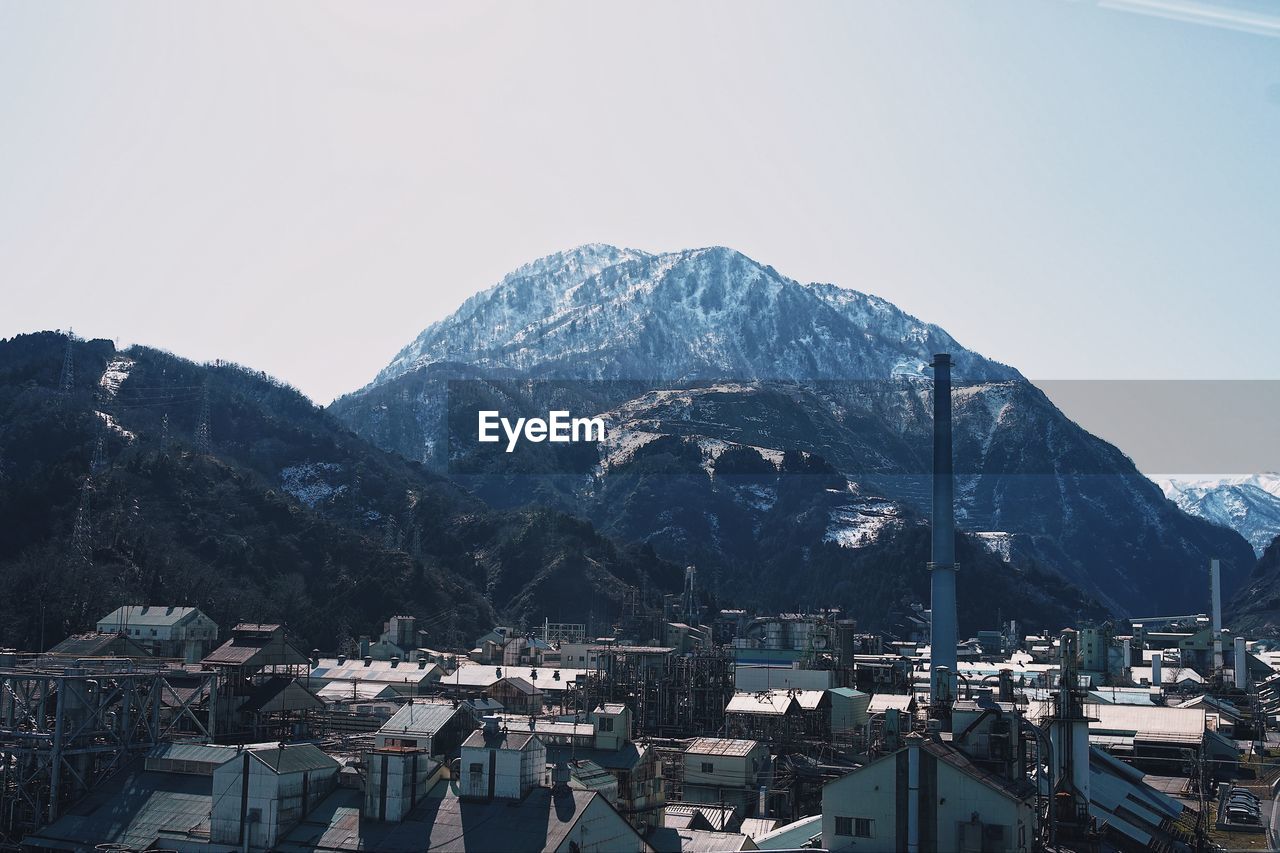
<point>1085,190</point>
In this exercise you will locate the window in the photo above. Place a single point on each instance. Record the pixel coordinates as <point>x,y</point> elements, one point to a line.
<point>708,767</point>
<point>854,827</point>
<point>606,724</point>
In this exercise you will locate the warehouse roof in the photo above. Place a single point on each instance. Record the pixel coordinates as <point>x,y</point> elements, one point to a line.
<point>140,616</point>
<point>720,746</point>
<point>293,758</point>
<point>91,645</point>
<point>419,718</point>
<point>140,811</point>
<point>885,701</point>
<point>769,703</point>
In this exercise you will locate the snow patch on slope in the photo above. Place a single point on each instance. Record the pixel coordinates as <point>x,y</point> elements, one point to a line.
<point>308,483</point>
<point>859,524</point>
<point>116,372</point>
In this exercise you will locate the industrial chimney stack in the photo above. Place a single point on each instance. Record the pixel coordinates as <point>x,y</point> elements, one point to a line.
<point>942,584</point>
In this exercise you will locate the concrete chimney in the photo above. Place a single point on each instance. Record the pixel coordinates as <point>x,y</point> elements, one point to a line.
<point>1215,603</point>
<point>1240,663</point>
<point>942,582</point>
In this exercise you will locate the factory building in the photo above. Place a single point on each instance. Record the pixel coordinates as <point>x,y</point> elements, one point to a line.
<point>725,770</point>
<point>436,729</point>
<point>265,791</point>
<point>183,633</point>
<point>927,796</point>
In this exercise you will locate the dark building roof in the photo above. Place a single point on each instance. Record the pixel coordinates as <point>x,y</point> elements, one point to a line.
<point>294,758</point>
<point>94,644</point>
<point>518,683</point>
<point>274,690</point>
<point>442,821</point>
<point>139,810</point>
<point>256,645</point>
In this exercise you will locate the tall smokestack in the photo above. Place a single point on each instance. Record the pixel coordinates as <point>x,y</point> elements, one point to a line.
<point>1215,603</point>
<point>942,583</point>
<point>1240,663</point>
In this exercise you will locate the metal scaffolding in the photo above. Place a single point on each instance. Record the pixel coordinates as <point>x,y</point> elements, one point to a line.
<point>62,732</point>
<point>670,695</point>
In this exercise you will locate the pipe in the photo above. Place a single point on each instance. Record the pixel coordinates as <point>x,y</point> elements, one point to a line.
<point>913,795</point>
<point>1215,601</point>
<point>942,582</point>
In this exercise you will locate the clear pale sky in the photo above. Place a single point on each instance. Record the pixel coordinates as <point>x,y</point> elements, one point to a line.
<point>1082,190</point>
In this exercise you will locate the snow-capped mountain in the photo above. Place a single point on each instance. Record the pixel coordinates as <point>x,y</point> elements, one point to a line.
<point>1248,504</point>
<point>598,312</point>
<point>710,348</point>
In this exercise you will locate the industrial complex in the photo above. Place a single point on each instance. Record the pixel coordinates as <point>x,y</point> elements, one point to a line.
<point>682,730</point>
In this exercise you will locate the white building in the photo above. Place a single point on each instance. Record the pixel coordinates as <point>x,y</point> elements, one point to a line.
<point>435,728</point>
<point>927,796</point>
<point>166,632</point>
<point>501,765</point>
<point>284,783</point>
<point>724,770</point>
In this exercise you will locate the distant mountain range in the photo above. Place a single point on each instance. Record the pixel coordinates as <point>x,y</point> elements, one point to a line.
<point>1248,504</point>
<point>777,434</point>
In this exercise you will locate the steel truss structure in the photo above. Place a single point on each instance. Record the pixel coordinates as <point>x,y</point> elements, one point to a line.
<point>63,732</point>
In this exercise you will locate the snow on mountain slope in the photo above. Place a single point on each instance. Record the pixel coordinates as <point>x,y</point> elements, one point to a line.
<point>713,313</point>
<point>1248,504</point>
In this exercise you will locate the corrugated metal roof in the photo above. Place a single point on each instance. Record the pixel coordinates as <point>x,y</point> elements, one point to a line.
<point>1154,723</point>
<point>792,836</point>
<point>354,690</point>
<point>720,746</point>
<point>419,718</point>
<point>136,811</point>
<point>671,840</point>
<point>885,701</point>
<point>138,616</point>
<point>294,758</point>
<point>771,703</point>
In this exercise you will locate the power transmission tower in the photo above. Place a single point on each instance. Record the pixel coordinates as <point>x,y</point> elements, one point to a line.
<point>82,532</point>
<point>202,428</point>
<point>67,382</point>
<point>99,459</point>
<point>164,430</point>
<point>391,534</point>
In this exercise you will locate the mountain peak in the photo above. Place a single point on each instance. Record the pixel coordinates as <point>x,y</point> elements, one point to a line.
<point>602,312</point>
